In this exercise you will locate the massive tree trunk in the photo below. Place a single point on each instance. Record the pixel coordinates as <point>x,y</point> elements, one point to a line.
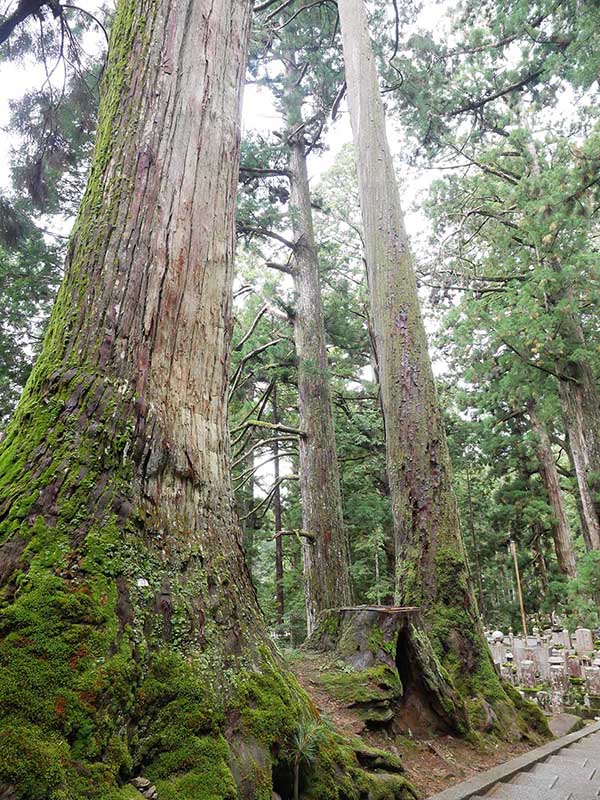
<point>326,552</point>
<point>561,530</point>
<point>130,638</point>
<point>431,565</point>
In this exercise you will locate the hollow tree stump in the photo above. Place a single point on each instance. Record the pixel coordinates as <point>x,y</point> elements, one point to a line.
<point>378,660</point>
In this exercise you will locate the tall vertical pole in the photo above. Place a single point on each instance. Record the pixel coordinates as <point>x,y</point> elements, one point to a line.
<point>513,548</point>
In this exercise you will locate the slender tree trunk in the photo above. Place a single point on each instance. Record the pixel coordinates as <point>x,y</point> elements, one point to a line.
<point>130,638</point>
<point>539,558</point>
<point>246,500</point>
<point>477,559</point>
<point>431,567</point>
<point>578,393</point>
<point>327,555</point>
<point>296,780</point>
<point>577,494</point>
<point>561,530</point>
<point>581,415</point>
<point>278,526</point>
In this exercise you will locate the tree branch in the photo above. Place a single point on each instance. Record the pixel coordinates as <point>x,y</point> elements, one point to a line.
<point>259,171</point>
<point>267,500</point>
<point>252,327</point>
<point>272,426</point>
<point>296,532</point>
<point>260,444</point>
<point>280,267</point>
<point>513,87</point>
<point>25,9</point>
<point>259,231</point>
<point>547,370</point>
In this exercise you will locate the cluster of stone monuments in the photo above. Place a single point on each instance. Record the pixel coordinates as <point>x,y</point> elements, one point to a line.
<point>557,670</point>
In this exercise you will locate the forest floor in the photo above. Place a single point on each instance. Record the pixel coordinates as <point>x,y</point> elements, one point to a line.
<point>432,763</point>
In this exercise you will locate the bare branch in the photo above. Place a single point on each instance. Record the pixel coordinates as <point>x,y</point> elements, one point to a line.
<point>252,328</point>
<point>25,9</point>
<point>260,444</point>
<point>296,532</point>
<point>267,500</point>
<point>280,267</point>
<point>272,426</point>
<point>260,172</point>
<point>91,16</point>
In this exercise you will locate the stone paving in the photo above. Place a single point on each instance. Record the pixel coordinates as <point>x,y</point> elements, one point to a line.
<point>573,773</point>
<point>567,768</point>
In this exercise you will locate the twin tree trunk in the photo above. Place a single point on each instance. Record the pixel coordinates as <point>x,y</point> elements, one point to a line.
<point>325,548</point>
<point>130,637</point>
<point>431,565</point>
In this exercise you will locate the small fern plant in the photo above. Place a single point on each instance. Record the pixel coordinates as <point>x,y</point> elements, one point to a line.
<point>304,746</point>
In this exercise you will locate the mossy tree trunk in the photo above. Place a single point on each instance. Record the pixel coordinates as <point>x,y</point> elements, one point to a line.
<point>130,638</point>
<point>431,564</point>
<point>561,530</point>
<point>326,553</point>
<point>430,559</point>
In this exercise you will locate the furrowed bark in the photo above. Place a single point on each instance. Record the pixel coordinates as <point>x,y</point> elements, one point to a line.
<point>431,564</point>
<point>327,556</point>
<point>426,530</point>
<point>130,638</point>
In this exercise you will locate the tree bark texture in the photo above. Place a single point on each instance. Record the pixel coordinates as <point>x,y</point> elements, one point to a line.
<point>130,638</point>
<point>327,555</point>
<point>431,566</point>
<point>561,530</point>
<point>391,675</point>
